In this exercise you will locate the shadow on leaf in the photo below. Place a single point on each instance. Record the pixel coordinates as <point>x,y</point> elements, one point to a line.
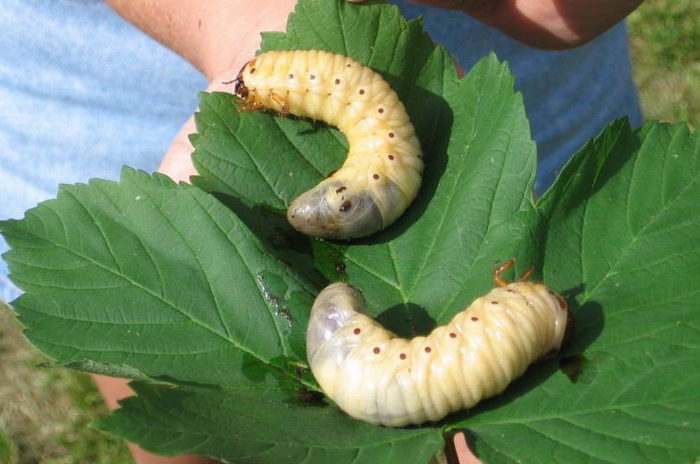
<point>434,156</point>
<point>589,321</point>
<point>271,227</point>
<point>407,321</point>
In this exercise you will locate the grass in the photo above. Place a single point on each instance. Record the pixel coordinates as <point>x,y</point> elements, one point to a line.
<point>665,45</point>
<point>45,413</point>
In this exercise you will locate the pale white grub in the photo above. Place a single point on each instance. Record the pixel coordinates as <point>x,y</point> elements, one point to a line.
<point>377,377</point>
<point>383,170</point>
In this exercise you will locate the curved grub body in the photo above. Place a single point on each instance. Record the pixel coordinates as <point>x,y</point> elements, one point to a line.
<point>382,173</point>
<point>379,378</point>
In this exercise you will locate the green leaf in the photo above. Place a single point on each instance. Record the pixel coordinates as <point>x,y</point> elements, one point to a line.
<point>474,207</point>
<point>148,278</point>
<point>159,282</point>
<point>262,425</point>
<point>231,156</point>
<point>473,212</point>
<point>624,238</point>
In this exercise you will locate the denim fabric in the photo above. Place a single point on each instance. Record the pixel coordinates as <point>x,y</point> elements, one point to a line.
<point>569,96</point>
<point>82,93</point>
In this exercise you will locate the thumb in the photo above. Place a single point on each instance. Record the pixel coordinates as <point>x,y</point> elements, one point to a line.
<point>177,162</point>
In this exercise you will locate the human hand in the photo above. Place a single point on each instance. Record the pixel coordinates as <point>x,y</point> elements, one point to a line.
<point>217,36</point>
<point>545,24</point>
<point>177,162</point>
<point>220,56</point>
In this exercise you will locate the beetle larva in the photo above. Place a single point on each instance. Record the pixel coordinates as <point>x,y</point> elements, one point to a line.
<point>382,173</point>
<point>377,377</point>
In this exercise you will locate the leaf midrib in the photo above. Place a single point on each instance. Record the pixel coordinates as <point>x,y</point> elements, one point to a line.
<point>634,239</point>
<point>283,433</point>
<point>249,154</point>
<point>145,289</point>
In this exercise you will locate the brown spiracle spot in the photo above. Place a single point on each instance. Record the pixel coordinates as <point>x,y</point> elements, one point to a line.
<point>312,77</point>
<point>362,91</point>
<point>357,331</point>
<point>510,290</point>
<point>348,65</point>
<point>252,70</point>
<point>380,110</point>
<point>453,335</point>
<point>291,76</point>
<point>347,204</point>
<point>494,302</point>
<point>427,349</point>
<point>341,189</point>
<point>376,350</point>
<point>391,134</point>
<point>402,356</point>
<point>375,176</point>
<point>337,81</point>
<point>391,157</point>
<point>474,318</point>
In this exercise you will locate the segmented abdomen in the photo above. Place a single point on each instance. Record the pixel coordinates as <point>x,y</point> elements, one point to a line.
<point>382,173</point>
<point>382,379</point>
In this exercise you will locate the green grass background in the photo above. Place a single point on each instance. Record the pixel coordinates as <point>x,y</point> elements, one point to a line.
<point>45,413</point>
<point>665,44</point>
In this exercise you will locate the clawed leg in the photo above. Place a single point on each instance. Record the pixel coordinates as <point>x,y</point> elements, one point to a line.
<point>252,107</point>
<point>249,104</point>
<point>284,106</point>
<point>497,273</point>
<point>501,282</point>
<point>527,274</point>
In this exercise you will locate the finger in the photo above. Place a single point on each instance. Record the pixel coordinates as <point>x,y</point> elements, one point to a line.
<point>464,454</point>
<point>450,4</point>
<point>113,390</point>
<point>177,163</point>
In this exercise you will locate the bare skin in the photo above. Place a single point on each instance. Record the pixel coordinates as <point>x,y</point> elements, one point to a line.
<point>219,36</point>
<point>544,24</point>
<point>112,391</point>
